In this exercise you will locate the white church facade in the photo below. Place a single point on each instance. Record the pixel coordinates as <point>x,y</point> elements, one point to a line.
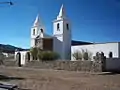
<point>61,40</point>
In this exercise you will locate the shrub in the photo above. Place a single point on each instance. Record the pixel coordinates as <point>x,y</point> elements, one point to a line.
<point>85,56</point>
<point>2,58</point>
<point>48,55</point>
<point>55,55</point>
<point>97,56</point>
<point>102,55</point>
<point>77,55</point>
<point>34,52</point>
<point>39,55</point>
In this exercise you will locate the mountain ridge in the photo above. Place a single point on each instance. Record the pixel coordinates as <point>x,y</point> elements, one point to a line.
<point>7,48</point>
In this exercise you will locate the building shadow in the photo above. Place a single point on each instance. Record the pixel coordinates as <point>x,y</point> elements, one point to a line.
<point>24,89</point>
<point>8,78</point>
<point>109,73</point>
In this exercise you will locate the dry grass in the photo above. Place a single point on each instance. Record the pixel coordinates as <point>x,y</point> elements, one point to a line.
<point>34,79</point>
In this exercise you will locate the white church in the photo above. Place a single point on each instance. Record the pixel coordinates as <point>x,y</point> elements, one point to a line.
<point>61,40</point>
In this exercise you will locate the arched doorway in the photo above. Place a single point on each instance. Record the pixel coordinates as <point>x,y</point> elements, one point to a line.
<point>18,59</point>
<point>27,57</point>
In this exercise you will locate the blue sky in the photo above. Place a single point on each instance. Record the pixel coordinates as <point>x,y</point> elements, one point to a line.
<point>92,20</point>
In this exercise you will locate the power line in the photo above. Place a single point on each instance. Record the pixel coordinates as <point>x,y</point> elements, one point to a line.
<point>10,3</point>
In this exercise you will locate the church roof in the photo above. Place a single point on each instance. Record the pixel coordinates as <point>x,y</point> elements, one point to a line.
<point>37,21</point>
<point>44,36</point>
<point>61,13</point>
<point>74,43</point>
<point>47,36</point>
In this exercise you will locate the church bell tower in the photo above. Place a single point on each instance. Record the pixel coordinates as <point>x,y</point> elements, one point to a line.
<point>62,35</point>
<point>37,29</point>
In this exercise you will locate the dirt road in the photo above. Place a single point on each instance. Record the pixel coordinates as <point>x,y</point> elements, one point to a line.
<point>36,79</point>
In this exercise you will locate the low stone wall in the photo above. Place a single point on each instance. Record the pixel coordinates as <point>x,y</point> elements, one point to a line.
<point>67,65</point>
<point>9,63</point>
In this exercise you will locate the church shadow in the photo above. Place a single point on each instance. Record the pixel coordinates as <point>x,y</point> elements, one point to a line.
<point>8,78</point>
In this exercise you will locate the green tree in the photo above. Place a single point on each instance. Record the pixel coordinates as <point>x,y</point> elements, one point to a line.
<point>34,52</point>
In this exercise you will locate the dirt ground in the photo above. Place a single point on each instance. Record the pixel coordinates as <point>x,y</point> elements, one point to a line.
<point>36,79</point>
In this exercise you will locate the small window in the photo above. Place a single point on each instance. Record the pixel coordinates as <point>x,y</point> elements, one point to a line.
<point>67,26</point>
<point>110,54</point>
<point>58,26</point>
<point>33,31</point>
<point>41,30</point>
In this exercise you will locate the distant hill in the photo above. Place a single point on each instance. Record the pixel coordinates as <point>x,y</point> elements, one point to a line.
<point>9,48</point>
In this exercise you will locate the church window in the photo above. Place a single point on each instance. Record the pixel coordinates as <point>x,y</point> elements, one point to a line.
<point>58,26</point>
<point>33,31</point>
<point>67,26</point>
<point>110,54</point>
<point>41,30</point>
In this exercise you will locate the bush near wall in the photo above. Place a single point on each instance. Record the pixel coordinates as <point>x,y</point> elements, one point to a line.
<point>77,55</point>
<point>34,51</point>
<point>82,55</point>
<point>47,56</point>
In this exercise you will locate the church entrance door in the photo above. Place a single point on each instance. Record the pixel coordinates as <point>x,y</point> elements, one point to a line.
<point>18,58</point>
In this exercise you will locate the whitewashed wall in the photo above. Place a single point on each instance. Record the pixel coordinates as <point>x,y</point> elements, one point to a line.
<point>113,64</point>
<point>62,40</point>
<point>6,54</point>
<point>106,48</point>
<point>23,53</point>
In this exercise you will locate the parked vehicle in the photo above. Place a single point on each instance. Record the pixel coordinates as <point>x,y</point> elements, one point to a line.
<point>8,87</point>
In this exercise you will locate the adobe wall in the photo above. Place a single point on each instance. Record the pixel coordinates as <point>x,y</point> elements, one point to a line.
<point>88,66</point>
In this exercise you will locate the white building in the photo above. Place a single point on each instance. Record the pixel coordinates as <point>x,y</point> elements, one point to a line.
<point>61,41</point>
<point>106,48</point>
